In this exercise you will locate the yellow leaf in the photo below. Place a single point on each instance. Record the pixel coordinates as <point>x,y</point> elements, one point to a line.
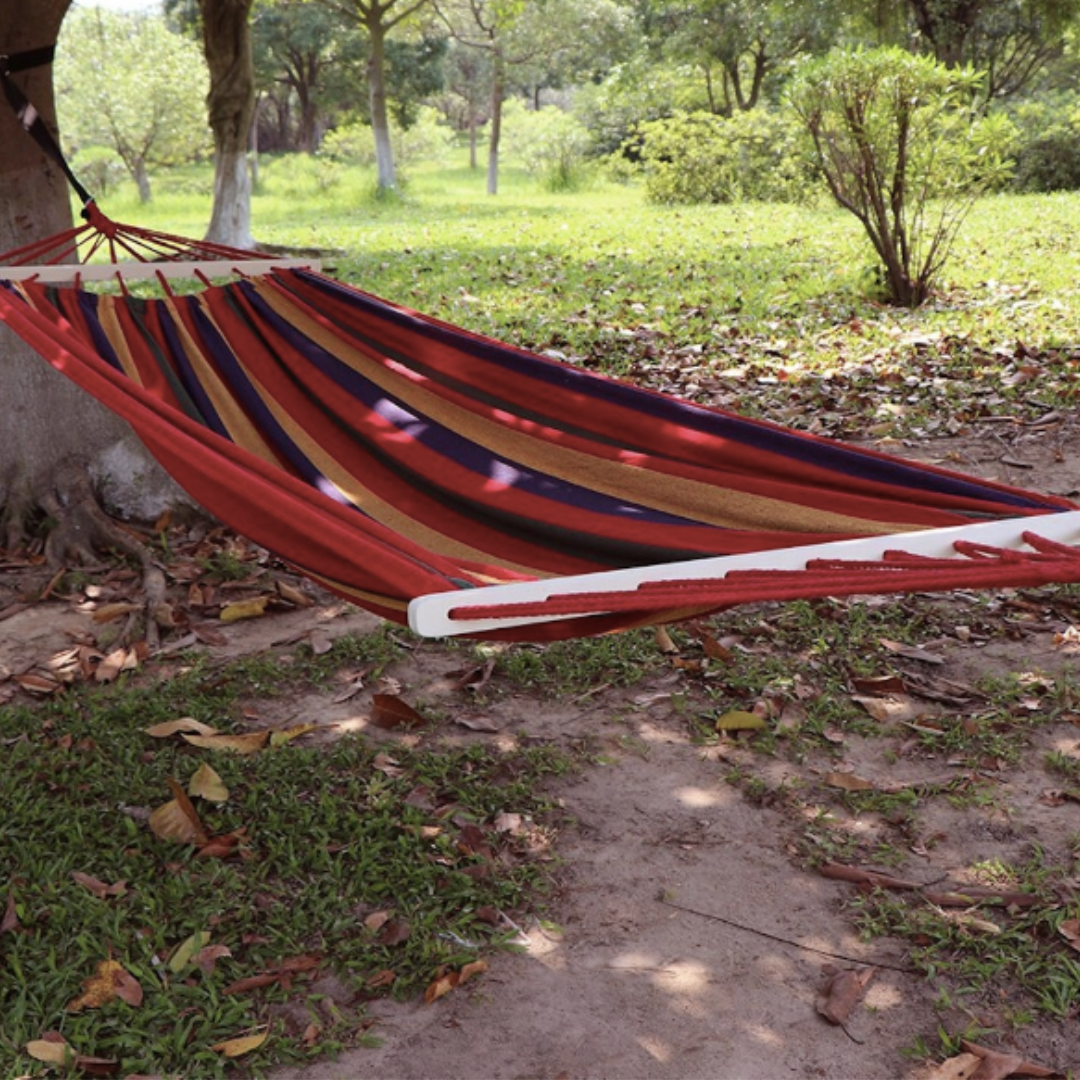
<point>249,743</point>
<point>251,608</point>
<point>111,981</point>
<point>186,950</point>
<point>185,723</point>
<point>206,784</point>
<point>848,782</point>
<point>244,1044</point>
<point>280,738</point>
<point>740,720</point>
<point>51,1052</point>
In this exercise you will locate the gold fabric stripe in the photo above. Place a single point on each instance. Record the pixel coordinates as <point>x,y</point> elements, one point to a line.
<point>624,480</point>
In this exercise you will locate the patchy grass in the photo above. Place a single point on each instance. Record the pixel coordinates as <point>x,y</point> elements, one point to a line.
<point>348,872</point>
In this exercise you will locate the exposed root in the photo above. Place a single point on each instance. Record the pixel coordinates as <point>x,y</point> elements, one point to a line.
<point>81,533</point>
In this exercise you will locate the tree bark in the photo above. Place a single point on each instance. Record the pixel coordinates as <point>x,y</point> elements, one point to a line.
<point>380,120</point>
<point>46,419</point>
<point>231,107</point>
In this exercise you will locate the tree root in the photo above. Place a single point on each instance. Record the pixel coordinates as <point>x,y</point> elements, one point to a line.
<point>81,533</point>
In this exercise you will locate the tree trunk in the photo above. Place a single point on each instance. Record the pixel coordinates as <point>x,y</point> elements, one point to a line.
<point>231,106</point>
<point>142,180</point>
<point>498,89</point>
<point>380,120</point>
<point>46,419</point>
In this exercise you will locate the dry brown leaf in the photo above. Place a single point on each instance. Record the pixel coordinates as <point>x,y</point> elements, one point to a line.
<point>52,1049</point>
<point>207,784</point>
<point>250,742</point>
<point>891,708</point>
<point>294,595</point>
<point>117,662</point>
<point>994,1061</point>
<point>99,888</point>
<point>185,723</point>
<point>961,1067</point>
<point>10,921</point>
<point>110,612</point>
<point>243,1044</point>
<point>111,981</point>
<point>321,642</point>
<point>449,980</point>
<point>38,684</point>
<point>389,711</point>
<point>842,992</point>
<point>911,652</point>
<point>393,932</point>
<point>209,955</point>
<point>177,819</point>
<point>1070,931</point>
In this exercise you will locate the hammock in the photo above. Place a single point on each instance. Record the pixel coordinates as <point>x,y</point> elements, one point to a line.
<point>396,458</point>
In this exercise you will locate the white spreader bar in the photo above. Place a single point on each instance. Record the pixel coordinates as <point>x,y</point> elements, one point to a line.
<point>430,615</point>
<point>65,273</point>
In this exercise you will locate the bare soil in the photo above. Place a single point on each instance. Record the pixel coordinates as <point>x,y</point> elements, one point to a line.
<point>687,937</point>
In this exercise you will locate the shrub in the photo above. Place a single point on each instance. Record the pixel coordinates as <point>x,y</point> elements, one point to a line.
<point>551,144</point>
<point>429,138</point>
<point>902,149</point>
<point>699,157</point>
<point>1047,149</point>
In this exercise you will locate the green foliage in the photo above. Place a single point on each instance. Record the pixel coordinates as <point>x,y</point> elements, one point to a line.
<point>901,148</point>
<point>428,138</point>
<point>1047,147</point>
<point>701,158</point>
<point>127,82</point>
<point>550,142</point>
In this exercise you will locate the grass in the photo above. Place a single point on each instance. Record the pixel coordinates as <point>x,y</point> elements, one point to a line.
<point>336,845</point>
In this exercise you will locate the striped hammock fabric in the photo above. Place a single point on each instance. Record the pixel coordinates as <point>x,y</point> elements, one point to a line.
<point>389,455</point>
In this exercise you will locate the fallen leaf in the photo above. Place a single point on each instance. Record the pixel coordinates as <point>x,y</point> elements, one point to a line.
<point>186,950</point>
<point>740,720</point>
<point>52,1049</point>
<point>185,723</point>
<point>842,992</point>
<point>10,921</point>
<point>894,708</point>
<point>207,784</point>
<point>393,932</point>
<point>99,888</point>
<point>110,612</point>
<point>389,711</point>
<point>177,819</point>
<point>321,642</point>
<point>1070,931</point>
<point>993,1062</point>
<point>117,662</point>
<point>250,742</point>
<point>294,595</point>
<point>111,981</point>
<point>243,1044</point>
<point>221,847</point>
<point>207,957</point>
<point>251,608</point>
<point>912,652</point>
<point>286,735</point>
<point>452,979</point>
<point>848,782</point>
<point>38,684</point>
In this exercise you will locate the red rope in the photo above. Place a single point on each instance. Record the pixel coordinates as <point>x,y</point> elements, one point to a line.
<point>981,567</point>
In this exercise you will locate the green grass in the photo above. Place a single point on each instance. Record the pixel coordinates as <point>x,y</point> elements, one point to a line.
<point>331,836</point>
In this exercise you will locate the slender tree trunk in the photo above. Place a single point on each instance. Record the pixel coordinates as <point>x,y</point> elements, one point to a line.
<point>231,106</point>
<point>498,90</point>
<point>45,418</point>
<point>380,120</point>
<point>142,180</point>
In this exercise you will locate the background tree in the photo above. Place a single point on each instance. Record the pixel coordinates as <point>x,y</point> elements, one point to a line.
<point>1013,41</point>
<point>308,62</point>
<point>46,420</point>
<point>126,82</point>
<point>378,19</point>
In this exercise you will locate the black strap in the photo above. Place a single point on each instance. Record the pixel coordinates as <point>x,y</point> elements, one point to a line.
<point>29,117</point>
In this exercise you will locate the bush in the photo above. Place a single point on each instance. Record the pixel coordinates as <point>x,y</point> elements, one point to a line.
<point>551,144</point>
<point>99,168</point>
<point>901,148</point>
<point>703,158</point>
<point>353,143</point>
<point>1047,149</point>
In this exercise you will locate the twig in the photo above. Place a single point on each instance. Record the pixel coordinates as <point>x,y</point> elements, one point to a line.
<point>787,941</point>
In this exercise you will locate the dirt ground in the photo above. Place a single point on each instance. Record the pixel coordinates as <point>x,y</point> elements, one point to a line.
<point>686,938</point>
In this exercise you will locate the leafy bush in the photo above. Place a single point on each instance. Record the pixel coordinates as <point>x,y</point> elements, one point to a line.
<point>1047,149</point>
<point>429,138</point>
<point>902,149</point>
<point>703,158</point>
<point>99,167</point>
<point>551,143</point>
